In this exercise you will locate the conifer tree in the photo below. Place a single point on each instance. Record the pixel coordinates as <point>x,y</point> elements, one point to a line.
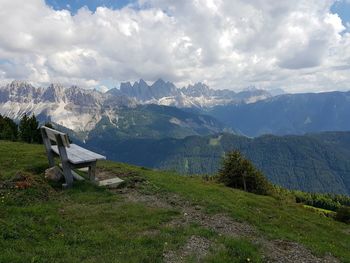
<point>23,129</point>
<point>8,129</point>
<point>29,129</point>
<point>238,172</point>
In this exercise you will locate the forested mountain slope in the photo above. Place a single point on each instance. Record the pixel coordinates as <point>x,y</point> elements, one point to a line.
<point>313,162</point>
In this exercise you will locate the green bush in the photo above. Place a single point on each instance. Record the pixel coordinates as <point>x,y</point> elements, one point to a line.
<point>238,172</point>
<point>343,214</point>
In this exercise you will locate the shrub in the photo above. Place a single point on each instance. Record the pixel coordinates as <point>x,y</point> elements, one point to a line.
<point>343,214</point>
<point>238,172</point>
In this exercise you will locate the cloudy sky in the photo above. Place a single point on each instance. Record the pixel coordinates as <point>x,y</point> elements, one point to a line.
<point>299,45</point>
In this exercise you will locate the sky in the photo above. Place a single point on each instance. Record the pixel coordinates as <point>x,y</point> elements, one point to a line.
<point>299,45</point>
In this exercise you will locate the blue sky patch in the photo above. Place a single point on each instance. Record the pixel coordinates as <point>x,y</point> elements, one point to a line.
<point>342,8</point>
<point>74,5</point>
<point>4,61</point>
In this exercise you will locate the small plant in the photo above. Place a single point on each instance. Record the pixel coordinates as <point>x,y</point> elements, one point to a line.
<point>238,172</point>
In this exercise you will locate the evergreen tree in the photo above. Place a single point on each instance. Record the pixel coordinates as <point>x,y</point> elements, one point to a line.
<point>29,129</point>
<point>8,129</point>
<point>35,129</point>
<point>238,172</point>
<point>24,131</point>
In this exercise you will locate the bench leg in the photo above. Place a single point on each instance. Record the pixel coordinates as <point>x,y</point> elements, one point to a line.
<point>47,144</point>
<point>51,159</point>
<point>67,172</point>
<point>92,171</point>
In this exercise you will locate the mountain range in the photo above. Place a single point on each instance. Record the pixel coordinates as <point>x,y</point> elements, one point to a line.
<point>83,110</point>
<point>198,95</point>
<point>288,114</point>
<point>73,107</point>
<point>139,124</point>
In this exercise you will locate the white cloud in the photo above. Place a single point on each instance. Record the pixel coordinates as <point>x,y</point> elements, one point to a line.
<point>298,45</point>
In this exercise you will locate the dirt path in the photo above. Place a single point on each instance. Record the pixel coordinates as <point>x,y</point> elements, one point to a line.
<point>274,250</point>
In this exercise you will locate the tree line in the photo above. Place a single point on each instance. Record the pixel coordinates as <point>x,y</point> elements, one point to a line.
<point>27,130</point>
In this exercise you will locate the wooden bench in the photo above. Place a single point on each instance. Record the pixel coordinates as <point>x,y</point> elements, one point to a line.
<point>72,156</point>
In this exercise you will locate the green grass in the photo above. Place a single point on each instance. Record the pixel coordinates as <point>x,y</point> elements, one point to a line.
<point>90,224</point>
<point>320,211</point>
<point>17,156</point>
<point>276,219</point>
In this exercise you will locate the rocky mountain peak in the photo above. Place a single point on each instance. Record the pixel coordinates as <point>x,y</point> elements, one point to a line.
<point>161,89</point>
<point>159,82</point>
<point>55,92</point>
<point>19,91</point>
<point>141,83</point>
<point>20,84</point>
<point>124,86</point>
<point>197,90</point>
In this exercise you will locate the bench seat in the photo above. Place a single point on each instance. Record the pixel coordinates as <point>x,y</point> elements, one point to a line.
<point>79,155</point>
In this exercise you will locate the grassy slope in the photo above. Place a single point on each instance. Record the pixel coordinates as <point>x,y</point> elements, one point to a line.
<point>90,224</point>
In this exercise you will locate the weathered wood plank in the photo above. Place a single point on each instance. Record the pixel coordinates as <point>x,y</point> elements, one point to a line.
<point>75,175</point>
<point>52,135</point>
<point>67,171</point>
<point>47,144</point>
<point>92,171</point>
<point>77,154</point>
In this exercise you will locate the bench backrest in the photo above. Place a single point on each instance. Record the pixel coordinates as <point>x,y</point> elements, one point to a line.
<point>55,136</point>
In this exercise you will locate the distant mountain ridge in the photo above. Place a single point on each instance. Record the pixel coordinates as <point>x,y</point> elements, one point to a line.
<point>288,114</point>
<point>73,107</point>
<point>198,95</point>
<point>251,112</point>
<point>81,109</point>
<point>85,111</point>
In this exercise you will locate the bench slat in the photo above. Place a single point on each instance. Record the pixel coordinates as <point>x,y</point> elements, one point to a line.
<point>77,154</point>
<point>51,134</point>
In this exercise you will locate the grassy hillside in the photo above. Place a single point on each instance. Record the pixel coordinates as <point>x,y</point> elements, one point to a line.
<point>312,162</point>
<point>154,217</point>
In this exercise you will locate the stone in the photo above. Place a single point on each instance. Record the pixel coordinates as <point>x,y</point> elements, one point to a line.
<point>110,183</point>
<point>53,174</point>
